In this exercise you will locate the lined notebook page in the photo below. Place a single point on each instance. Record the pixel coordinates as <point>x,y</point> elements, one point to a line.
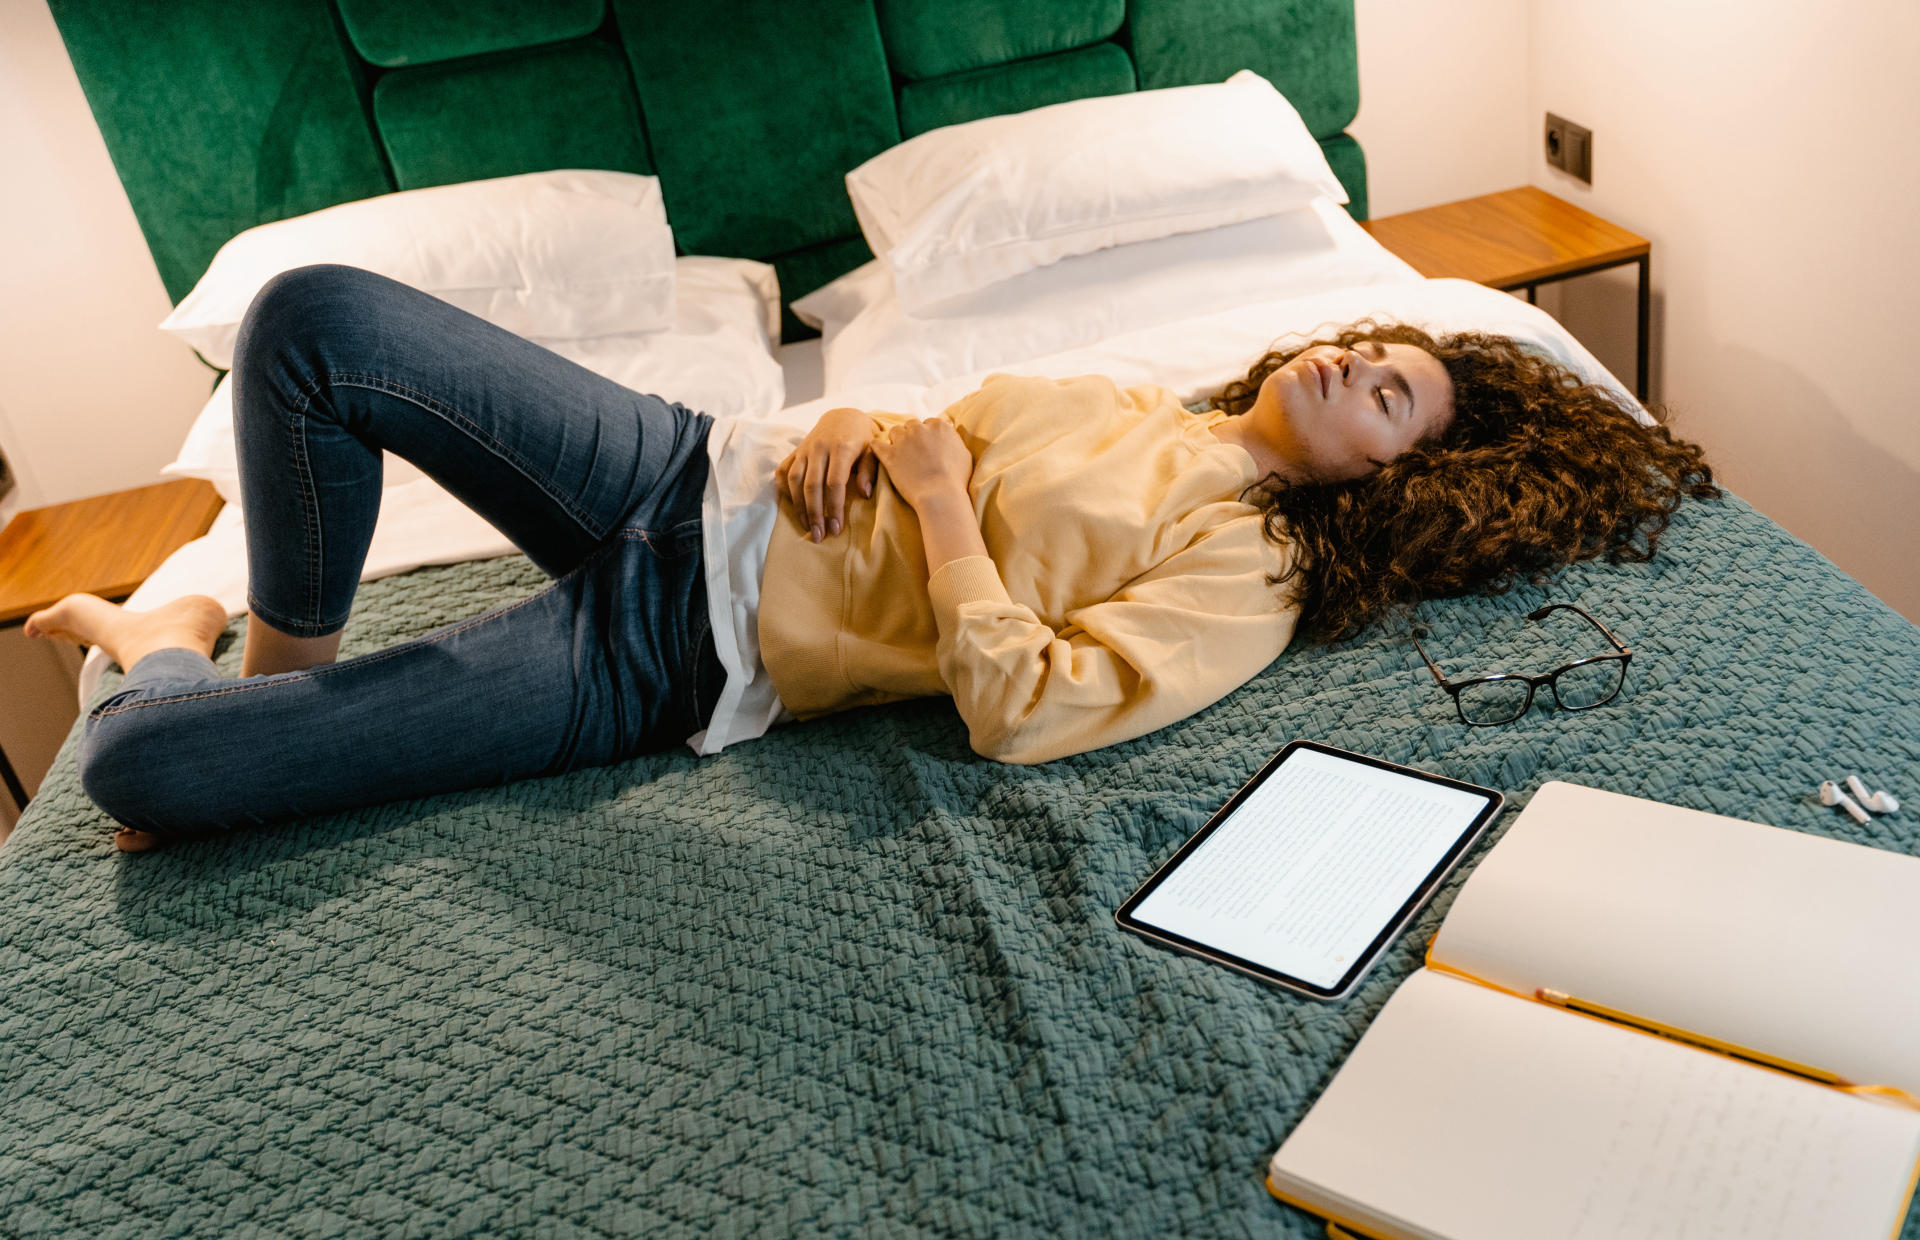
<point>1794,945</point>
<point>1472,1115</point>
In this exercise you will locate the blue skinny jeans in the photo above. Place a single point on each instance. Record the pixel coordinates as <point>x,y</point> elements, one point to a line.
<point>600,486</point>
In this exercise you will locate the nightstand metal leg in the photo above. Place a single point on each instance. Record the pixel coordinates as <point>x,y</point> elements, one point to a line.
<point>1646,305</point>
<point>1533,294</point>
<point>15,788</point>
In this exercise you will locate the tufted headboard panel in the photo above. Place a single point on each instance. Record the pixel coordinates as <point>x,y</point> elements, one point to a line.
<point>220,116</point>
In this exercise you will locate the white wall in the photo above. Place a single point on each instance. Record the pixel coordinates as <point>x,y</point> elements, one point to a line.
<point>1443,100</point>
<point>92,397</point>
<point>1765,148</point>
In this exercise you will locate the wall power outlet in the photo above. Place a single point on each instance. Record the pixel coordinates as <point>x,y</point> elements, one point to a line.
<point>1570,147</point>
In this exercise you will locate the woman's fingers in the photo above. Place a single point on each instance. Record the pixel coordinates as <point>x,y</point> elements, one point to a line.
<point>924,457</point>
<point>840,467</point>
<point>816,494</point>
<point>795,483</point>
<point>816,477</point>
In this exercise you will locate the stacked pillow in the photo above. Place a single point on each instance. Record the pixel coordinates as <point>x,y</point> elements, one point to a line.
<point>962,207</point>
<point>869,338</point>
<point>1014,236</point>
<point>579,261</point>
<point>563,255</point>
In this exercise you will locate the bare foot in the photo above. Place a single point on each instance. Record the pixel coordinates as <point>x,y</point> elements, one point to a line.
<point>126,839</point>
<point>194,623</point>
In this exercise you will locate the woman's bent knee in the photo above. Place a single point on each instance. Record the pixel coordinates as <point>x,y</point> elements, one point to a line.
<point>298,307</point>
<point>134,769</point>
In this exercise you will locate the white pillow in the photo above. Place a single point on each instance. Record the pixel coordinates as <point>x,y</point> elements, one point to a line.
<point>570,254</point>
<point>718,360</point>
<point>965,206</point>
<point>1194,357</point>
<point>869,338</point>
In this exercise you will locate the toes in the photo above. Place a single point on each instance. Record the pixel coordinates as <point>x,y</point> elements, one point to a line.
<point>42,623</point>
<point>126,839</point>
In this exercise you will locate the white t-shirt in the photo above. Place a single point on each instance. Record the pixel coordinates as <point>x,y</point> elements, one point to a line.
<point>737,516</point>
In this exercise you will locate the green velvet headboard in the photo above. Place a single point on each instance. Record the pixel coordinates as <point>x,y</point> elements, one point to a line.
<point>223,115</point>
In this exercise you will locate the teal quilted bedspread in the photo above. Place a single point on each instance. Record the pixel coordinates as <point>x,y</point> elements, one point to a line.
<point>849,979</point>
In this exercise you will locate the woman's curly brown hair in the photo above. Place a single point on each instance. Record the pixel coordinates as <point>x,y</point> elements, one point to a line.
<point>1537,469</point>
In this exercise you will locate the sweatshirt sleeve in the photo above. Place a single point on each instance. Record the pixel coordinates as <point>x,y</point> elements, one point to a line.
<point>1171,642</point>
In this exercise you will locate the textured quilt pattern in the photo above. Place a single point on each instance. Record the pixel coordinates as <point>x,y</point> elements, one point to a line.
<point>848,979</point>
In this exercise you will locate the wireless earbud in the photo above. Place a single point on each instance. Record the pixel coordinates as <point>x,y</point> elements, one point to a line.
<point>1880,801</point>
<point>1830,794</point>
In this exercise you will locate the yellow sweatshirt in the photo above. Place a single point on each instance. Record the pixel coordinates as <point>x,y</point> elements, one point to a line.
<point>1126,589</point>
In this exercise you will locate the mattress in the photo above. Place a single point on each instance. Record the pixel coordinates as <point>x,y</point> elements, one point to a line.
<point>849,978</point>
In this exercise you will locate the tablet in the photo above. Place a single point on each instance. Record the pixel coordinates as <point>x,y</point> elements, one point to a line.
<point>1308,873</point>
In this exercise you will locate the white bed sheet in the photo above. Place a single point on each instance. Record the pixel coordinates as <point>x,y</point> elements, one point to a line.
<point>803,365</point>
<point>421,524</point>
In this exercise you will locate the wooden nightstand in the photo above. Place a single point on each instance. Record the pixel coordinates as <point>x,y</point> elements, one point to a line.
<point>106,545</point>
<point>1517,239</point>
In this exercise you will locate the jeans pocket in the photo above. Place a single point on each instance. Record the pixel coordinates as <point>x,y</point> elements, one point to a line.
<point>676,544</point>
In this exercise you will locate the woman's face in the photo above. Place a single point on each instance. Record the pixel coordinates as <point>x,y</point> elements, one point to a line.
<point>1342,413</point>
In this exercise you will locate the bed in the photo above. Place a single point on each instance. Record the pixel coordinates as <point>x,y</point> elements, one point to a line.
<point>848,978</point>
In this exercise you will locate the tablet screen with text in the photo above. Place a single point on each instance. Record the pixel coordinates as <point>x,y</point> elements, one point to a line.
<point>1304,877</point>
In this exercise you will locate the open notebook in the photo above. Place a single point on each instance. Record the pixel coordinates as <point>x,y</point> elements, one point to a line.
<point>1638,1020</point>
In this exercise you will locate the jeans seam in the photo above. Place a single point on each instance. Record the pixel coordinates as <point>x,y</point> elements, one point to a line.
<point>293,628</point>
<point>474,431</point>
<point>309,502</point>
<point>452,630</point>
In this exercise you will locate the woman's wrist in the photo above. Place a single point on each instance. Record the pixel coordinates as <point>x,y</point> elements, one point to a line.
<point>948,527</point>
<point>948,498</point>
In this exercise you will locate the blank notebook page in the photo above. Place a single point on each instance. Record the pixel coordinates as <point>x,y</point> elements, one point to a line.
<point>1470,1114</point>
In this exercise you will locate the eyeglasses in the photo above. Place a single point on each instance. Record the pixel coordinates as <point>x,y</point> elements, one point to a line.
<point>1488,701</point>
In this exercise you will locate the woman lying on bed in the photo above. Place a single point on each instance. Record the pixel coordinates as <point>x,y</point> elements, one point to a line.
<point>1076,564</point>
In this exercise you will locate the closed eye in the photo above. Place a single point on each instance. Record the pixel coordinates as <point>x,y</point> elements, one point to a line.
<point>1399,380</point>
<point>1380,395</point>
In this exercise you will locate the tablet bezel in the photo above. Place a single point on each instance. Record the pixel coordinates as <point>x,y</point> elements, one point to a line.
<point>1364,961</point>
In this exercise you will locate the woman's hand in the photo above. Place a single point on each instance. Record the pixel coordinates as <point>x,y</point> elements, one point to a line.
<point>929,465</point>
<point>925,460</point>
<point>815,474</point>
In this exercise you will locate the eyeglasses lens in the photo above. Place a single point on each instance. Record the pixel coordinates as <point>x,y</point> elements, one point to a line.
<point>1589,684</point>
<point>1493,701</point>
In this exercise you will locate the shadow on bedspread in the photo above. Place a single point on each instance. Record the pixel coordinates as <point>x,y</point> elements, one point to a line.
<point>846,978</point>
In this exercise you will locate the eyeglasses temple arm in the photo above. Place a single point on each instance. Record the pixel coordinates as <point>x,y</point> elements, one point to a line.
<point>1438,678</point>
<point>1550,608</point>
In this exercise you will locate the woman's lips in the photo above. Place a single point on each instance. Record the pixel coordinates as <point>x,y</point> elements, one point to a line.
<point>1324,373</point>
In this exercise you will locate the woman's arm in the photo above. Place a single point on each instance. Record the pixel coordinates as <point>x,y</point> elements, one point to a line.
<point>1172,641</point>
<point>929,465</point>
<point>949,529</point>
